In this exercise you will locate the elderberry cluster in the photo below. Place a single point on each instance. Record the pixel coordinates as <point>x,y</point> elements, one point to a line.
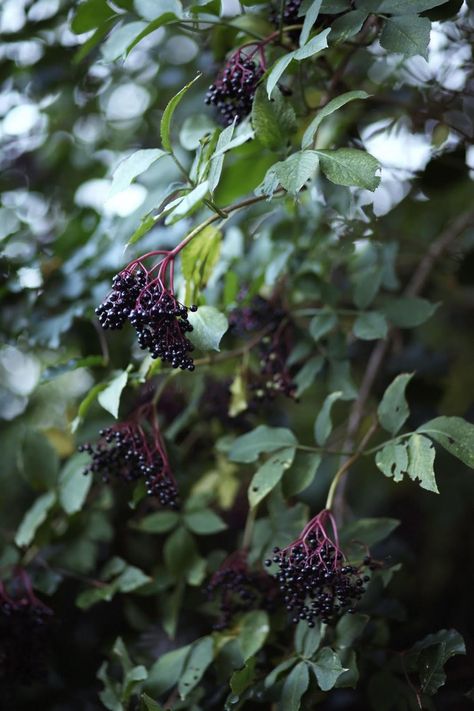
<point>240,589</point>
<point>160,320</point>
<point>234,89</point>
<point>127,453</point>
<point>274,347</point>
<point>315,581</point>
<point>24,631</point>
<point>290,15</point>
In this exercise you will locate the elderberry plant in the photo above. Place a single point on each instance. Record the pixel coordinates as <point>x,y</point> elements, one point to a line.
<point>219,504</point>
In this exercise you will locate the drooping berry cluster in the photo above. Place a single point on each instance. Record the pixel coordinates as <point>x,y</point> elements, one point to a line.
<point>24,629</point>
<point>234,89</point>
<point>274,347</point>
<point>134,450</point>
<point>160,320</point>
<point>240,589</point>
<point>315,580</point>
<point>290,14</point>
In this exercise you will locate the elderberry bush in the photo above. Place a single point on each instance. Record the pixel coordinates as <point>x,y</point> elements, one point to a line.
<point>234,89</point>
<point>128,452</point>
<point>314,579</point>
<point>159,319</point>
<point>238,589</point>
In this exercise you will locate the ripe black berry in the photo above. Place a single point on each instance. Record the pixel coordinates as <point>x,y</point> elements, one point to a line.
<point>234,89</point>
<point>160,320</point>
<point>135,450</point>
<point>314,580</point>
<point>240,589</point>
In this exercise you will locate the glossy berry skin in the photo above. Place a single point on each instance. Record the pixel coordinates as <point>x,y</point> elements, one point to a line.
<point>129,453</point>
<point>234,89</point>
<point>314,579</point>
<point>239,589</point>
<point>160,321</point>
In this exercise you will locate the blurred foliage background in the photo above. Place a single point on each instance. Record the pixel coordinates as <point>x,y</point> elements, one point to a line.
<point>72,106</point>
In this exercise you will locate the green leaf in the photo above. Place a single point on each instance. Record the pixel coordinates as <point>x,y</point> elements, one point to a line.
<point>327,668</point>
<point>135,164</point>
<point>217,160</point>
<point>393,409</point>
<point>165,127</point>
<point>110,397</point>
<point>272,678</point>
<point>187,203</point>
<point>272,119</point>
<point>33,519</point>
<point>314,46</point>
<point>268,475</point>
<point>349,628</point>
<point>301,473</point>
<point>347,25</point>
<point>321,324</point>
<point>392,460</point>
<point>180,553</point>
<point>200,657</point>
<point>415,457</point>
<point>291,173</point>
<point>323,424</point>
<point>130,579</point>
<point>147,704</point>
<point>85,405</point>
<point>253,631</point>
<point>370,326</point>
<point>204,522</point>
<point>164,19</point>
<point>406,34</point>
<point>421,456</point>
<point>73,484</point>
<point>309,19</point>
<point>307,639</point>
<point>166,671</point>
<point>158,522</point>
<point>408,312</point>
<point>262,439</point>
<point>368,531</point>
<point>294,687</point>
<point>366,282</point>
<point>400,7</point>
<point>89,15</point>
<point>429,655</point>
<point>306,376</point>
<point>454,434</point>
<point>350,166</point>
<point>119,40</point>
<point>200,256</point>
<point>241,679</point>
<point>330,108</point>
<point>152,9</point>
<point>209,325</point>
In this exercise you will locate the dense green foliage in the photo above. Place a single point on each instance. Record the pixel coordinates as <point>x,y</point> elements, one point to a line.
<point>326,237</point>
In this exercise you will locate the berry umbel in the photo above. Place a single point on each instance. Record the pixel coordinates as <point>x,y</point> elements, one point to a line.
<point>145,297</point>
<point>134,450</point>
<point>315,580</point>
<point>239,589</point>
<point>234,89</point>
